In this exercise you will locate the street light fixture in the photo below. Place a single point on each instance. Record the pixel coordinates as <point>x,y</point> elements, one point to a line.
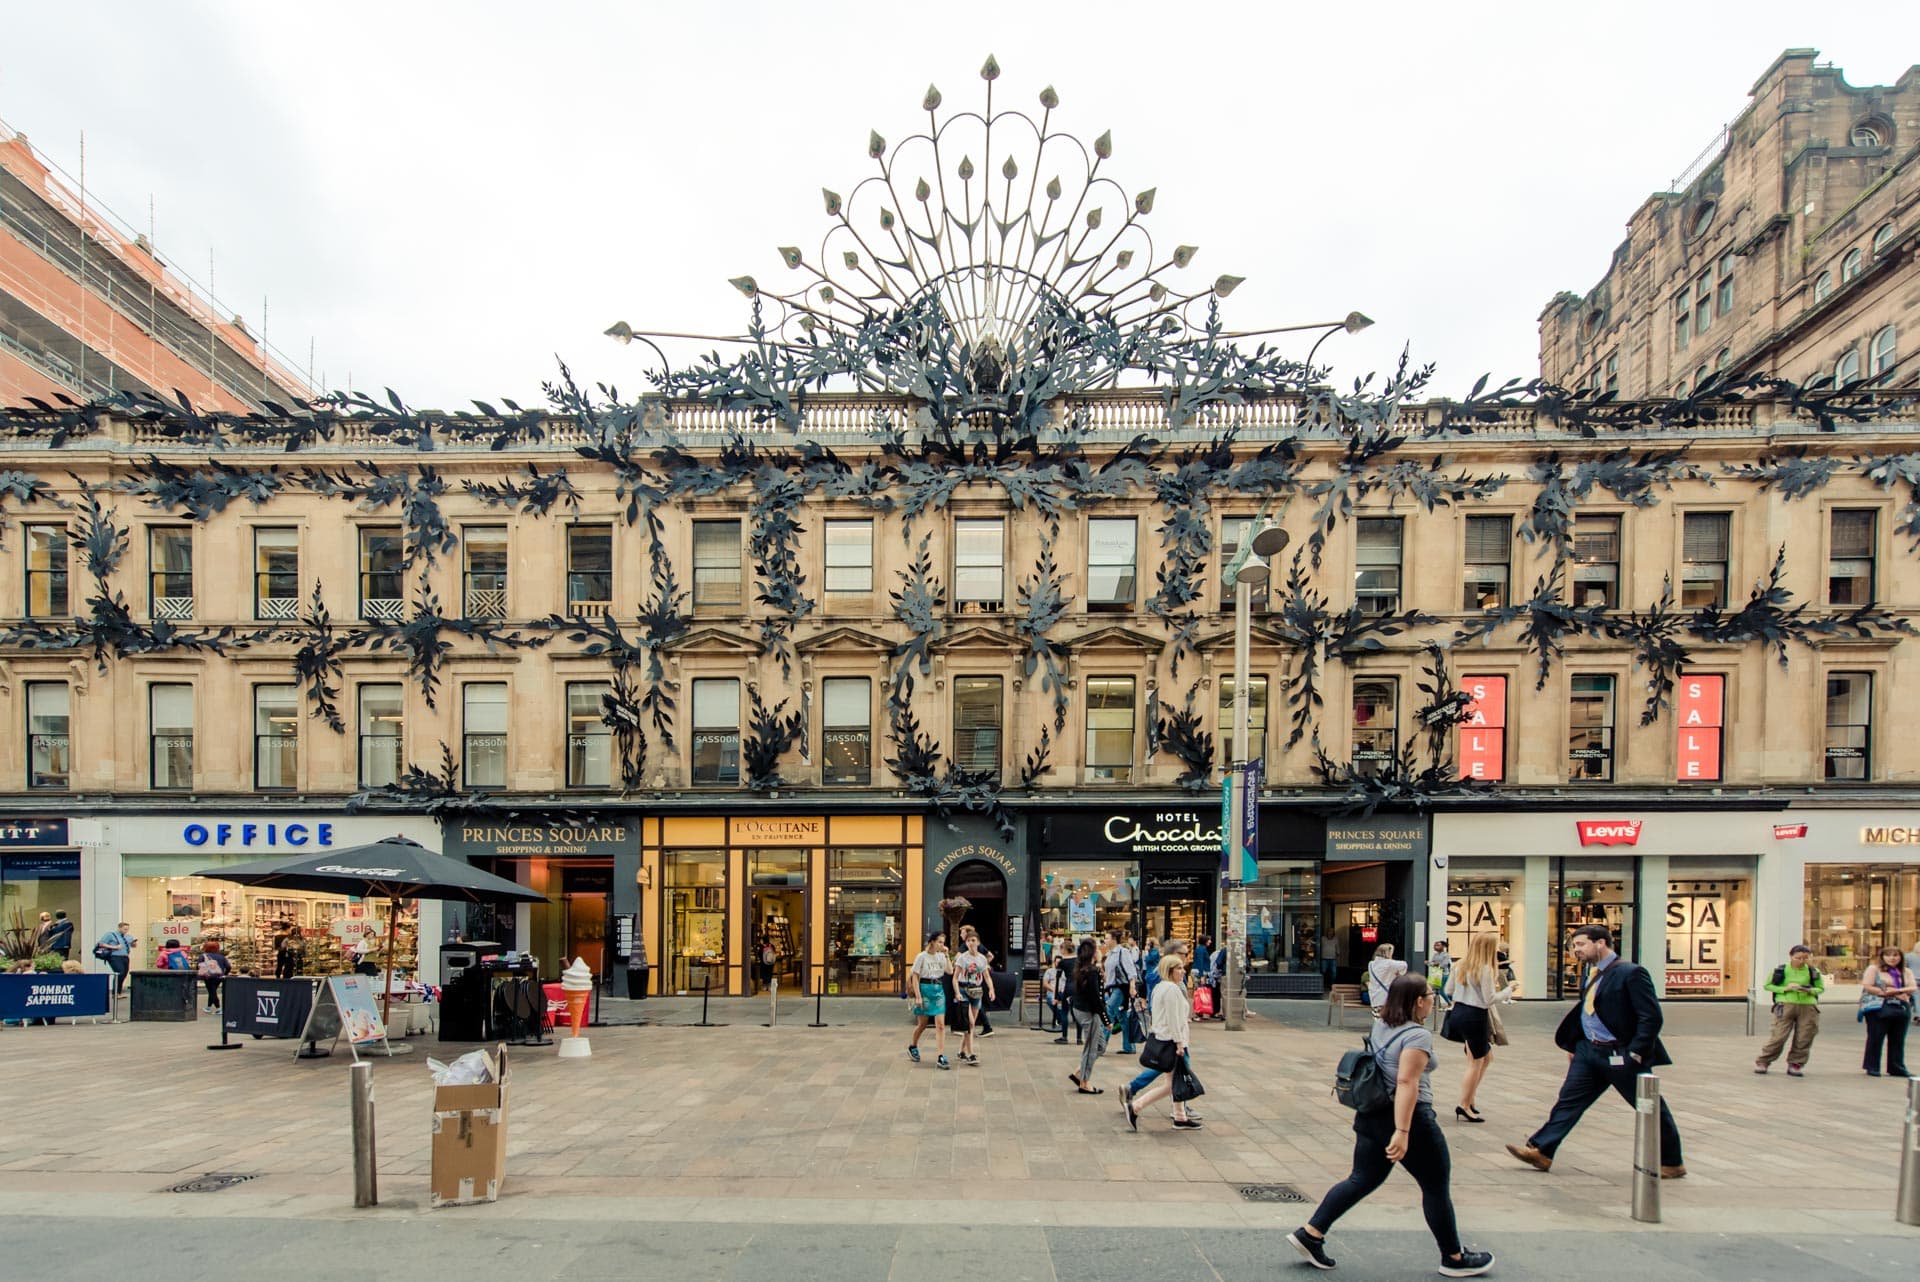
<point>1246,570</point>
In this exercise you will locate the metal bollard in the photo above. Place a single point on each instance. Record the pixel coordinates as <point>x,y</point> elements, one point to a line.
<point>1908,1210</point>
<point>366,1187</point>
<point>1646,1151</point>
<point>773,1002</point>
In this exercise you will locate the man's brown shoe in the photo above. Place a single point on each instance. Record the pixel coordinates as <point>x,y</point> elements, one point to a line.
<point>1673,1172</point>
<point>1531,1156</point>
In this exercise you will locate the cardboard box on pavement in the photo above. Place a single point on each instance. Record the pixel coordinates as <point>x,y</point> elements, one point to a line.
<point>470,1137</point>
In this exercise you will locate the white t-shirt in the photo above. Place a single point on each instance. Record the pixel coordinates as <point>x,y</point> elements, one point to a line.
<point>970,968</point>
<point>928,966</point>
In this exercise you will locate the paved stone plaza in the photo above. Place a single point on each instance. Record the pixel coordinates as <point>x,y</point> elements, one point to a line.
<point>745,1124</point>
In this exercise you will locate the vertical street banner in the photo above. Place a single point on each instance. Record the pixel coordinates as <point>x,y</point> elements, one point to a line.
<point>1227,826</point>
<point>1248,865</point>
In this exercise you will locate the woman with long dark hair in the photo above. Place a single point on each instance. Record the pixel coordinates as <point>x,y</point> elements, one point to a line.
<point>1089,1006</point>
<point>1404,1132</point>
<point>928,974</point>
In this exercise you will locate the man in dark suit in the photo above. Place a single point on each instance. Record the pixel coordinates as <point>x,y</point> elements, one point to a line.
<point>1611,1036</point>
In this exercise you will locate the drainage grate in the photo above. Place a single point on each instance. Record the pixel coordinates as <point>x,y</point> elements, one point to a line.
<point>1271,1193</point>
<point>212,1182</point>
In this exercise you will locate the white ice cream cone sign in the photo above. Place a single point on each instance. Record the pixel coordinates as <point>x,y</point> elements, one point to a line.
<point>576,982</point>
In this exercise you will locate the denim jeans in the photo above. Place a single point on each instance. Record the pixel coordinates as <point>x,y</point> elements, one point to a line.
<point>1146,1077</point>
<point>1117,1014</point>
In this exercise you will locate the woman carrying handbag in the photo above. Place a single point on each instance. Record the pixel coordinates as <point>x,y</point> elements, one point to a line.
<point>1886,1004</point>
<point>1166,1050</point>
<point>1476,992</point>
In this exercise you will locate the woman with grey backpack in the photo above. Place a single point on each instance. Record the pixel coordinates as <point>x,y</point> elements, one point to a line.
<point>1402,1129</point>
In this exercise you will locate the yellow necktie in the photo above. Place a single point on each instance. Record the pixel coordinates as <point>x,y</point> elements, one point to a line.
<point>1593,990</point>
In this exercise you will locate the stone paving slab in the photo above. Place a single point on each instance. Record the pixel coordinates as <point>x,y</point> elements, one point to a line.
<point>837,1124</point>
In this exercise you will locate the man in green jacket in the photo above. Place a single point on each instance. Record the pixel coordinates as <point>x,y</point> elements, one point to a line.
<point>1796,989</point>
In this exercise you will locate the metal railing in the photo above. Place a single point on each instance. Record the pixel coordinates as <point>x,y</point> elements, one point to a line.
<point>276,607</point>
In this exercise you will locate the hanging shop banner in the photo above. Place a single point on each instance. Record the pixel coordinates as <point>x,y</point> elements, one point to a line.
<point>1483,734</point>
<point>53,996</point>
<point>1699,707</point>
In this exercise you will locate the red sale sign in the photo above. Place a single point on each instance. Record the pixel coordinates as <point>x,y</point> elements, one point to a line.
<point>1608,832</point>
<point>1483,734</point>
<point>1699,709</point>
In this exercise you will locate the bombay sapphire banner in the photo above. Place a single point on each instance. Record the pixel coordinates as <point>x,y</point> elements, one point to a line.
<point>52,996</point>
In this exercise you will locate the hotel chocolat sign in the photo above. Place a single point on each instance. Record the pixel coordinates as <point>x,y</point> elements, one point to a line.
<point>1135,833</point>
<point>540,841</point>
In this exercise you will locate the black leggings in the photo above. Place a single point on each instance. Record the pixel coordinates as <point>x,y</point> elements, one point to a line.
<point>1427,1161</point>
<point>1889,1031</point>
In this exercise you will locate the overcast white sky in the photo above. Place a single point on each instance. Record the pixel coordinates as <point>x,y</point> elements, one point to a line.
<point>443,196</point>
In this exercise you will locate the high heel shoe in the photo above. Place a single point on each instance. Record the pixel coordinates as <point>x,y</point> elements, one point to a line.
<point>1465,1116</point>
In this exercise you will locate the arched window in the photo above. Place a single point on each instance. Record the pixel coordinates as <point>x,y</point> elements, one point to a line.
<point>1702,219</point>
<point>1823,287</point>
<point>1882,239</point>
<point>1851,264</point>
<point>1865,135</point>
<point>1847,368</point>
<point>1724,359</point>
<point>1700,377</point>
<point>1880,357</point>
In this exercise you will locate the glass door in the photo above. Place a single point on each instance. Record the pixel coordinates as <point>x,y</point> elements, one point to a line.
<point>1591,893</point>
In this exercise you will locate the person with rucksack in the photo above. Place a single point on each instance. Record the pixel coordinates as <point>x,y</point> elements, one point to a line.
<point>1796,987</point>
<point>1389,1086</point>
<point>213,971</point>
<point>1381,972</point>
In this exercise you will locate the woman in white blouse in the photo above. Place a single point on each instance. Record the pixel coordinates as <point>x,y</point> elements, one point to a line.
<point>1170,1014</point>
<point>928,975</point>
<point>1476,988</point>
<point>1381,972</point>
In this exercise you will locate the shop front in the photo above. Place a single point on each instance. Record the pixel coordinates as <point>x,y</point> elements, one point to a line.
<point>968,859</point>
<point>153,861</point>
<point>589,873</point>
<point>1679,891</point>
<point>1153,871</point>
<point>40,873</point>
<point>1373,891</point>
<point>740,903</point>
<point>1847,883</point>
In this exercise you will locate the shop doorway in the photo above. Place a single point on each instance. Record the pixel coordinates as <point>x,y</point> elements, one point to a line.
<point>1178,904</point>
<point>585,926</point>
<point>1366,907</point>
<point>779,921</point>
<point>1590,893</point>
<point>985,888</point>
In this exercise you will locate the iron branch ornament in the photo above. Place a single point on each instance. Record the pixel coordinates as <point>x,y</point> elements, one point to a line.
<point>988,280</point>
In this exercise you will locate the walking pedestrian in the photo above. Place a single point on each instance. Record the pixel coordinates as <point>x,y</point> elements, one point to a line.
<point>929,974</point>
<point>1150,966</point>
<point>1611,1036</point>
<point>213,971</point>
<point>1121,978</point>
<point>1476,990</point>
<point>1381,972</point>
<point>60,936</point>
<point>1216,982</point>
<point>116,950</point>
<point>1089,1016</point>
<point>1202,956</point>
<point>1329,955</point>
<point>982,1020</point>
<point>1405,1132</point>
<point>288,953</point>
<point>1796,988</point>
<point>172,956</point>
<point>1170,1017</point>
<point>973,980</point>
<point>1886,1006</point>
<point>40,933</point>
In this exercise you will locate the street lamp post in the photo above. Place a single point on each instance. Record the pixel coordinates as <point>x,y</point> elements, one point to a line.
<point>1245,570</point>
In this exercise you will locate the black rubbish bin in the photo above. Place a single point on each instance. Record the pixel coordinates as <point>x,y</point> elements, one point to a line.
<point>466,1007</point>
<point>637,978</point>
<point>170,995</point>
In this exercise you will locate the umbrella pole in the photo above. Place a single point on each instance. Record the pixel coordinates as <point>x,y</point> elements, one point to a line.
<point>393,931</point>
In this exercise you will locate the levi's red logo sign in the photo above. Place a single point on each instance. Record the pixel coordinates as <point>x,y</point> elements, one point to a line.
<point>1609,832</point>
<point>1787,832</point>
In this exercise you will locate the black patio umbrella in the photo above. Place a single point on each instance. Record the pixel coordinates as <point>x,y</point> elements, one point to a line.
<point>393,869</point>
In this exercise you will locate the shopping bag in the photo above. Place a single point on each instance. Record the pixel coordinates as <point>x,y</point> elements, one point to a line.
<point>1185,1085</point>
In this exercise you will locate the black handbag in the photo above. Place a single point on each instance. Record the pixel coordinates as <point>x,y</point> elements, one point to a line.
<point>1160,1056</point>
<point>1448,1030</point>
<point>1185,1085</point>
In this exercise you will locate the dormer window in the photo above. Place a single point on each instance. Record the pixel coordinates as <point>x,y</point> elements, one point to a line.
<point>1865,135</point>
